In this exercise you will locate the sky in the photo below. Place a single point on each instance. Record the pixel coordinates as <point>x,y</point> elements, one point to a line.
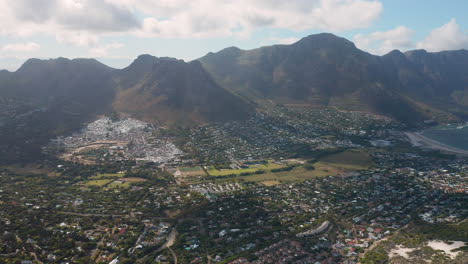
<point>116,31</point>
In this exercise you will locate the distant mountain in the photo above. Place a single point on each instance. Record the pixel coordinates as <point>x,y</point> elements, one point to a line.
<point>162,90</point>
<point>328,70</point>
<point>171,91</point>
<point>44,80</point>
<point>82,85</point>
<point>47,98</point>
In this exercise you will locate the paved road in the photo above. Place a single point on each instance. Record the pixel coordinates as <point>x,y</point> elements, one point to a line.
<point>170,240</point>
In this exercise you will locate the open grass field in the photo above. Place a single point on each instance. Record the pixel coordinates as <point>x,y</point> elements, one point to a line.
<point>112,183</point>
<point>28,169</point>
<point>106,176</point>
<point>132,179</point>
<point>54,174</point>
<point>98,183</point>
<point>331,165</point>
<point>229,172</point>
<point>269,178</point>
<point>192,171</point>
<point>270,183</point>
<point>118,185</point>
<point>251,169</point>
<point>349,159</point>
<point>298,174</point>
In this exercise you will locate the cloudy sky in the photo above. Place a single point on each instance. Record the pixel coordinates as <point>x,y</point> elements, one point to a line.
<point>116,31</point>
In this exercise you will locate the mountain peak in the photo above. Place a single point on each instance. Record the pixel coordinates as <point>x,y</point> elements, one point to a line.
<point>148,57</point>
<point>146,60</point>
<point>394,52</point>
<point>230,51</point>
<point>418,52</point>
<point>324,40</point>
<point>34,64</point>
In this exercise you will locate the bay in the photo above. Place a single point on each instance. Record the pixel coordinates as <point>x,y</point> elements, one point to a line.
<point>454,135</point>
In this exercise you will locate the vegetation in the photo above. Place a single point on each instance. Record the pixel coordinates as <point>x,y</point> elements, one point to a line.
<point>376,256</point>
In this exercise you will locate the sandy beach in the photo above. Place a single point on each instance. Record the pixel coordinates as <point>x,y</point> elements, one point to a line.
<point>418,140</point>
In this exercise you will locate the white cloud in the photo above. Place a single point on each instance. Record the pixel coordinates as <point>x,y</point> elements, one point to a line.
<point>278,40</point>
<point>287,40</point>
<point>208,18</point>
<point>103,51</point>
<point>21,47</point>
<point>79,38</point>
<point>382,42</point>
<point>77,22</point>
<point>91,19</point>
<point>447,37</point>
<point>90,15</point>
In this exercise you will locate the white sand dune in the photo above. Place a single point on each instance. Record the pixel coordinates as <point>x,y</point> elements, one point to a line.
<point>400,251</point>
<point>447,248</point>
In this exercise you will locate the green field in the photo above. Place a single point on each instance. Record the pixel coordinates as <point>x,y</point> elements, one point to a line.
<point>270,182</point>
<point>298,174</point>
<point>191,169</point>
<point>121,183</point>
<point>251,169</point>
<point>107,175</point>
<point>98,183</point>
<point>331,165</point>
<point>349,159</point>
<point>118,185</point>
<point>27,169</point>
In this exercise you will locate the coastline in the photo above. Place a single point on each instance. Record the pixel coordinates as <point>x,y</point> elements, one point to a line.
<point>418,140</point>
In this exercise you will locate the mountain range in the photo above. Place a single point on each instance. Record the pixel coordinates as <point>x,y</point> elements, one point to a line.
<point>321,69</point>
<point>318,70</point>
<point>327,70</point>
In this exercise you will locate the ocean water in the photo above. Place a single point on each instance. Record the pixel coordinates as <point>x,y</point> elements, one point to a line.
<point>452,135</point>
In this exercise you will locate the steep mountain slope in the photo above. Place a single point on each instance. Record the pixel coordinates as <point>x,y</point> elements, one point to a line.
<point>327,70</point>
<point>47,98</point>
<point>43,80</point>
<point>170,91</point>
<point>439,79</point>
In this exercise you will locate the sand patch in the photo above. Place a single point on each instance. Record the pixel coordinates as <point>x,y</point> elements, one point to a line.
<point>400,251</point>
<point>447,248</point>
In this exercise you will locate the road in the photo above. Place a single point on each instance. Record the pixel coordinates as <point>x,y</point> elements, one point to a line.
<point>173,255</point>
<point>170,240</point>
<point>36,258</point>
<point>169,243</point>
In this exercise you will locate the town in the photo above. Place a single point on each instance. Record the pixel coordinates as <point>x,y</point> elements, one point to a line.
<point>340,187</point>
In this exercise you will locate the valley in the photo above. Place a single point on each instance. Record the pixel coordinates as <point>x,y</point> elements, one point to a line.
<point>122,190</point>
<point>301,153</point>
